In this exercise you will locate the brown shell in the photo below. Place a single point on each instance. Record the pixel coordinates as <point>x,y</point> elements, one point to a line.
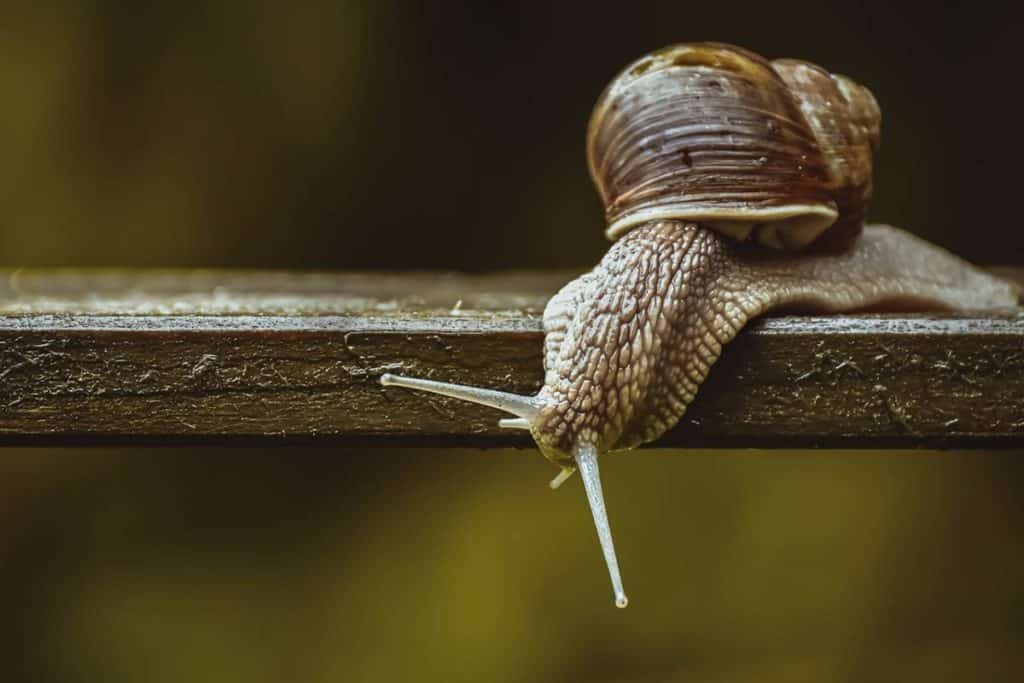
<point>780,151</point>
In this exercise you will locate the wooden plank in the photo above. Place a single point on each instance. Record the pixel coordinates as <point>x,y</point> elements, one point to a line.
<point>166,357</point>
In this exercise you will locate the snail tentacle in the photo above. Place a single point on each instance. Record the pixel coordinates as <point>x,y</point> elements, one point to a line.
<point>586,460</point>
<point>523,407</point>
<point>561,477</point>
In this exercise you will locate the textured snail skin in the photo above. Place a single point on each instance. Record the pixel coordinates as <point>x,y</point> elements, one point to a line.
<point>733,186</point>
<point>628,344</point>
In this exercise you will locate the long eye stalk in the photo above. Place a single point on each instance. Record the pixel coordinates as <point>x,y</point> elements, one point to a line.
<point>524,407</point>
<point>586,460</point>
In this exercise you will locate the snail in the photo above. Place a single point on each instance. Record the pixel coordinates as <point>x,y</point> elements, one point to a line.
<point>732,186</point>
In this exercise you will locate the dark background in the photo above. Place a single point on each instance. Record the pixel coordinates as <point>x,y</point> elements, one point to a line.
<point>439,135</point>
<point>395,135</point>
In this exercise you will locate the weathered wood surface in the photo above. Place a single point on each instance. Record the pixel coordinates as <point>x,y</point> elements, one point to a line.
<point>100,357</point>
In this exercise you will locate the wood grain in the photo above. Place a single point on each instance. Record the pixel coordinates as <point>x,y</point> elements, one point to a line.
<point>182,357</point>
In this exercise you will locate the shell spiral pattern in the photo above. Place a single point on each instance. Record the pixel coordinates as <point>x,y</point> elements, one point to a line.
<point>775,151</point>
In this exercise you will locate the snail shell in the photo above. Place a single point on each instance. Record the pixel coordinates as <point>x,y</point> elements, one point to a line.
<point>779,152</point>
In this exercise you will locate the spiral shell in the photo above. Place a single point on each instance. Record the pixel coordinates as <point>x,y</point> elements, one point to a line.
<point>778,152</point>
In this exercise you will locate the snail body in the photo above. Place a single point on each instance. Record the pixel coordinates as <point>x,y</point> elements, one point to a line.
<point>732,186</point>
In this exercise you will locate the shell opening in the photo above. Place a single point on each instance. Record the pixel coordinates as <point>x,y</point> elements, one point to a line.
<point>783,227</point>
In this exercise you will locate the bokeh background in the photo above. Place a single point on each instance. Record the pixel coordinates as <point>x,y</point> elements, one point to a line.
<point>387,134</point>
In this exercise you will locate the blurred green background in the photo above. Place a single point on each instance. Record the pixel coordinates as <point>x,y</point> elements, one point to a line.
<point>449,135</point>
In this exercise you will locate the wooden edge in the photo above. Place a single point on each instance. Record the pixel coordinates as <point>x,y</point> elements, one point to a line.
<point>840,382</point>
